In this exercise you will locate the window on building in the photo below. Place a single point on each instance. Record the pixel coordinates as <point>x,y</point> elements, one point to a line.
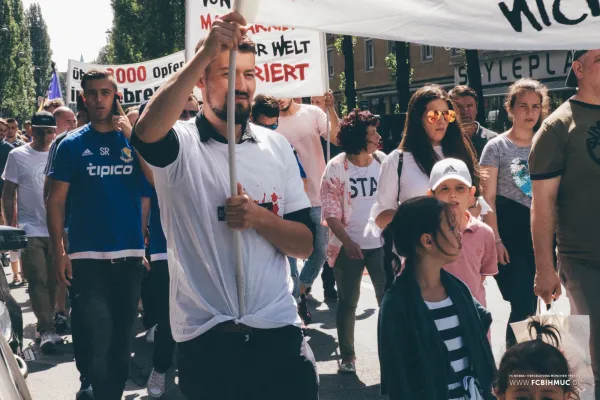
<point>330,67</point>
<point>454,52</point>
<point>391,47</point>
<point>426,53</point>
<point>369,54</point>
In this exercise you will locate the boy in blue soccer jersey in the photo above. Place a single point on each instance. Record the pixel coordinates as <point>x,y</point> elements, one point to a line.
<point>103,264</point>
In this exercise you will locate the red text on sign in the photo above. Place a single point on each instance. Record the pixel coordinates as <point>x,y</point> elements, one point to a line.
<point>277,72</point>
<point>206,22</point>
<point>129,75</point>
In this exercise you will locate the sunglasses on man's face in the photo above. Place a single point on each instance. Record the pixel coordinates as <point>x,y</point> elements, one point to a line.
<point>188,114</point>
<point>271,127</point>
<point>434,116</point>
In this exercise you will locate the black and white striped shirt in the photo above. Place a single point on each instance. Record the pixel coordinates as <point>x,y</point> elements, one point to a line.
<point>447,323</point>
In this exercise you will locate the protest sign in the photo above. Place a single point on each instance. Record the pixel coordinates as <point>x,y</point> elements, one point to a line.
<point>469,24</point>
<point>137,82</point>
<point>289,62</point>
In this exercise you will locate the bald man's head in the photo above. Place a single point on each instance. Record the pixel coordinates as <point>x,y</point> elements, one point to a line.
<point>65,120</point>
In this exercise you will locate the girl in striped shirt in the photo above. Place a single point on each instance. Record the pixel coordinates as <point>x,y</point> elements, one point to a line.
<point>432,332</point>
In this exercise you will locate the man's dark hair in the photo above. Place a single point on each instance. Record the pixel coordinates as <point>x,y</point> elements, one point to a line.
<point>96,74</point>
<point>265,105</point>
<point>11,121</point>
<point>462,91</point>
<point>353,131</point>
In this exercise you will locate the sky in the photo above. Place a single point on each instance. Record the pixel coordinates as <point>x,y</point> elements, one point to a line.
<point>75,27</point>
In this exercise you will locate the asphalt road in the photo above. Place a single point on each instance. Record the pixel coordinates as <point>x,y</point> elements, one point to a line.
<point>55,377</point>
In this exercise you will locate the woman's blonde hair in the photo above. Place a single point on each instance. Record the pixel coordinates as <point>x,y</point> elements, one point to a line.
<point>528,85</point>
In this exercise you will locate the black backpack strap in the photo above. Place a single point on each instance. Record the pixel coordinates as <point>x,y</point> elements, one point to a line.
<point>400,163</point>
<point>376,157</point>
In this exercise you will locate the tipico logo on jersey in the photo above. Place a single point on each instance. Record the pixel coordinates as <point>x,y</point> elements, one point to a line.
<point>108,170</point>
<point>126,155</point>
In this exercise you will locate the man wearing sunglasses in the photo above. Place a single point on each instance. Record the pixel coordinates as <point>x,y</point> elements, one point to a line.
<point>265,112</point>
<point>24,180</point>
<point>190,110</point>
<point>465,99</point>
<point>303,126</point>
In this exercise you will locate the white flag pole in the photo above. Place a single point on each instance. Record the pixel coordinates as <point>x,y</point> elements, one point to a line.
<point>231,141</point>
<point>328,139</point>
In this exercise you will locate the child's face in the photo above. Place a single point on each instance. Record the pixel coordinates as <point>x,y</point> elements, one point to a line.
<point>517,392</point>
<point>457,194</point>
<point>527,109</point>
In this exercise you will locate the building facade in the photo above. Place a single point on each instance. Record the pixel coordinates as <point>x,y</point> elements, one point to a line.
<point>499,69</point>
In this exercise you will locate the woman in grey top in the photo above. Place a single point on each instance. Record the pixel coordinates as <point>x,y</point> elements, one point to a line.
<point>507,189</point>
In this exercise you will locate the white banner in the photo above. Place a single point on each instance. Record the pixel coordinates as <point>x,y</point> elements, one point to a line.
<point>137,82</point>
<point>289,62</point>
<point>470,24</point>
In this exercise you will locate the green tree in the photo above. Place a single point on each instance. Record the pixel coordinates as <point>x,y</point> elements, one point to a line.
<point>105,56</point>
<point>127,34</point>
<point>398,64</point>
<point>17,91</point>
<point>144,30</point>
<point>345,45</point>
<point>164,26</point>
<point>41,53</point>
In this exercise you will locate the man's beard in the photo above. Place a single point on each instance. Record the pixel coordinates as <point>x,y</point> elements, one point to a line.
<point>242,113</point>
<point>286,108</point>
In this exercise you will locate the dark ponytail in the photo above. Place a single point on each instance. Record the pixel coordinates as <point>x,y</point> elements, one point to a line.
<point>542,329</point>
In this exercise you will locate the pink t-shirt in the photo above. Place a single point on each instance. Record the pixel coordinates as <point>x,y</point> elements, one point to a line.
<point>303,130</point>
<point>477,258</point>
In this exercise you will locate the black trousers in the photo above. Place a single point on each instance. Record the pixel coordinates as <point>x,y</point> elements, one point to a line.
<point>328,277</point>
<point>104,306</point>
<point>515,281</point>
<point>149,318</point>
<point>164,345</point>
<point>269,364</point>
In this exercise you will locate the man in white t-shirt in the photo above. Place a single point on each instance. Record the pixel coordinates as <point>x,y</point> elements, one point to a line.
<point>303,126</point>
<point>262,349</point>
<point>24,177</point>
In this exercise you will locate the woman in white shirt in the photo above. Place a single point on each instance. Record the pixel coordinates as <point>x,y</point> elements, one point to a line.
<point>431,133</point>
<point>348,190</point>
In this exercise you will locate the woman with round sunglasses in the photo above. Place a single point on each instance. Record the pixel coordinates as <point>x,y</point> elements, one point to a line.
<point>431,133</point>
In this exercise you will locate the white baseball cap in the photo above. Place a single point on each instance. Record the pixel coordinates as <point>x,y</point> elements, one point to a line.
<point>449,168</point>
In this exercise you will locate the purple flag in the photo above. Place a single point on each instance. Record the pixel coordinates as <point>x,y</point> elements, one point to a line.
<point>54,88</point>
